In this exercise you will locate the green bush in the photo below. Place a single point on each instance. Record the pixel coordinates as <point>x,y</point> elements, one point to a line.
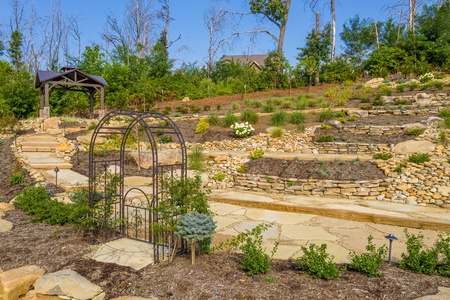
<point>382,155</point>
<point>196,158</point>
<point>286,105</point>
<point>378,102</point>
<point>202,126</point>
<point>370,261</point>
<point>326,115</point>
<point>17,176</point>
<point>414,132</point>
<point>255,260</point>
<point>417,259</point>
<point>317,263</point>
<point>230,119</point>
<point>213,119</point>
<point>277,132</point>
<point>164,139</point>
<point>325,138</point>
<point>419,158</point>
<point>443,248</point>
<point>445,113</point>
<point>256,104</point>
<point>297,118</point>
<point>220,176</point>
<point>268,108</point>
<point>250,116</point>
<point>256,154</point>
<point>279,118</point>
<point>301,104</point>
<point>37,202</point>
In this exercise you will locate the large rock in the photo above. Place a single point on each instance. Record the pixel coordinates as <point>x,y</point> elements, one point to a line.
<point>32,295</point>
<point>434,121</point>
<point>64,147</point>
<point>374,83</point>
<point>137,181</point>
<point>412,146</point>
<point>52,123</point>
<point>68,283</point>
<point>17,282</point>
<point>414,126</point>
<point>6,206</point>
<point>165,157</point>
<point>359,113</point>
<point>86,139</point>
<point>5,225</point>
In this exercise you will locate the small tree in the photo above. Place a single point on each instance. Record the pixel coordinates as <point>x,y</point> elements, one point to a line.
<point>195,226</point>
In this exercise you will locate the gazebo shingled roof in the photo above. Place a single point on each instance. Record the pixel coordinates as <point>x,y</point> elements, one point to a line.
<point>71,79</point>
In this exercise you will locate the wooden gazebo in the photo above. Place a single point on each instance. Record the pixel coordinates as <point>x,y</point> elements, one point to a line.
<point>70,79</point>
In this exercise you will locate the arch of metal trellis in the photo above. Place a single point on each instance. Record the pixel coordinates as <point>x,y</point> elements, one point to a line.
<point>131,210</point>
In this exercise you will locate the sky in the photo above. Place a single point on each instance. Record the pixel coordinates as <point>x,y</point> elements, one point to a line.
<point>188,21</point>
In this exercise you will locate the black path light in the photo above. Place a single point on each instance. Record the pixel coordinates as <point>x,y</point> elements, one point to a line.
<point>77,149</point>
<point>15,140</point>
<point>43,128</point>
<point>64,129</point>
<point>391,238</point>
<point>56,176</point>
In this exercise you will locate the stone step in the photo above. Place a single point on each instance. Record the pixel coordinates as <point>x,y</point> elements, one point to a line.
<point>51,166</point>
<point>46,161</point>
<point>67,179</point>
<point>38,148</point>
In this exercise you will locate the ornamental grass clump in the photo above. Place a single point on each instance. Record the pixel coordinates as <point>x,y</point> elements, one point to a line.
<point>242,130</point>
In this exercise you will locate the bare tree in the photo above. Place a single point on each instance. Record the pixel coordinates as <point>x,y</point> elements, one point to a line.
<point>55,35</point>
<point>401,8</point>
<point>313,4</point>
<point>134,32</point>
<point>75,33</point>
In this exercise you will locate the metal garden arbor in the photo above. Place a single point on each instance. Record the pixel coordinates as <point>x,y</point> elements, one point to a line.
<point>132,210</point>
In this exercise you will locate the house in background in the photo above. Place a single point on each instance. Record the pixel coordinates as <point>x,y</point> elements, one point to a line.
<point>255,61</point>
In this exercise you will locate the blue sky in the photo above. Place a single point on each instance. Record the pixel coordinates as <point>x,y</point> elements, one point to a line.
<point>188,21</point>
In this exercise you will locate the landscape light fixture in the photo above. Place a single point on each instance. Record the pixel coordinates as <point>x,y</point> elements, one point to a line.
<point>64,129</point>
<point>43,128</point>
<point>77,149</point>
<point>15,140</point>
<point>391,238</point>
<point>56,176</point>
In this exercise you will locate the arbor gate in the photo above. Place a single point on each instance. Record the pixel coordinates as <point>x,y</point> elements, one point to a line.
<point>133,211</point>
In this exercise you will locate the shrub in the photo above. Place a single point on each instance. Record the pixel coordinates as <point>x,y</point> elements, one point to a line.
<point>426,77</point>
<point>317,263</point>
<point>378,102</point>
<point>279,118</point>
<point>255,260</point>
<point>220,176</point>
<point>326,126</point>
<point>165,139</point>
<point>416,259</point>
<point>256,104</point>
<point>230,119</point>
<point>167,110</point>
<point>213,119</point>
<point>277,132</point>
<point>202,126</point>
<point>419,158</point>
<point>242,130</point>
<point>235,106</point>
<point>326,115</point>
<point>301,104</point>
<point>268,108</point>
<point>370,261</point>
<point>242,169</point>
<point>297,118</point>
<point>196,227</point>
<point>325,138</point>
<point>256,154</point>
<point>196,158</point>
<point>443,248</point>
<point>382,155</point>
<point>17,175</point>
<point>182,109</point>
<point>445,113</point>
<point>400,88</point>
<point>412,86</point>
<point>286,105</point>
<point>249,115</point>
<point>416,132</point>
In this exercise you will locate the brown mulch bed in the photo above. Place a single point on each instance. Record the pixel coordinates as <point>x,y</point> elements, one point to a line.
<point>316,169</point>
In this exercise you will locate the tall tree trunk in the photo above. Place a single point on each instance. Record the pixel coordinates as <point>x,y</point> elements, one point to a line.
<point>333,28</point>
<point>412,13</point>
<point>283,28</point>
<point>317,79</point>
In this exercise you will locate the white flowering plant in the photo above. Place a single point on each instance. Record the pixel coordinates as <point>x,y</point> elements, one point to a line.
<point>242,129</point>
<point>426,77</point>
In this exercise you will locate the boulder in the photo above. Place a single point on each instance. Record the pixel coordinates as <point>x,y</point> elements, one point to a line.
<point>414,126</point>
<point>359,113</point>
<point>32,295</point>
<point>86,139</point>
<point>68,283</point>
<point>221,158</point>
<point>17,282</point>
<point>374,83</point>
<point>412,146</point>
<point>5,226</point>
<point>186,99</point>
<point>434,121</point>
<point>52,123</point>
<point>165,157</point>
<point>64,147</point>
<point>2,214</point>
<point>137,181</point>
<point>6,206</point>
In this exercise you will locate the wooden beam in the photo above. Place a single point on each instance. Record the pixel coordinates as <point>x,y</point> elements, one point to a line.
<point>75,84</point>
